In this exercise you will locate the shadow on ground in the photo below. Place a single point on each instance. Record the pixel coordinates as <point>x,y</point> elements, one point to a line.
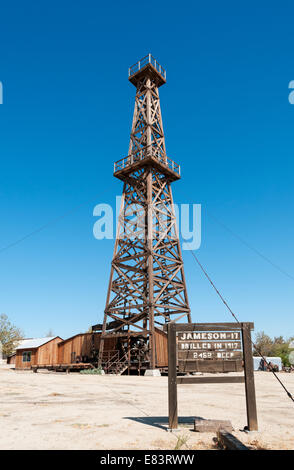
<point>162,421</point>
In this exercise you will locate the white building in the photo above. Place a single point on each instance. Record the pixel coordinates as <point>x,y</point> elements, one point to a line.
<point>274,360</point>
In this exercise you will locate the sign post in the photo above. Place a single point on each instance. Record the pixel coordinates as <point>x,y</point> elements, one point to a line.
<point>249,378</point>
<point>210,347</point>
<point>172,378</point>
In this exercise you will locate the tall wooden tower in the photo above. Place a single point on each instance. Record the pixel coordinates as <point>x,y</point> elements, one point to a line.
<point>147,284</point>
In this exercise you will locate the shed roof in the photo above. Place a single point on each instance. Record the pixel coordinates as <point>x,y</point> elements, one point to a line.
<point>75,336</point>
<point>33,343</point>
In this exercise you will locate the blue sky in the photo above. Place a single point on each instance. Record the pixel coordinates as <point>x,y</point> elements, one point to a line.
<point>66,118</point>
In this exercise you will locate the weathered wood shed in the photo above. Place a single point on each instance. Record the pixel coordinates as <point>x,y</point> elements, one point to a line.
<point>79,348</point>
<point>75,349</point>
<point>37,351</point>
<point>82,348</point>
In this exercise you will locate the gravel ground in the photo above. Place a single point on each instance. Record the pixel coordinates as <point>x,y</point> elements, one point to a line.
<point>74,411</point>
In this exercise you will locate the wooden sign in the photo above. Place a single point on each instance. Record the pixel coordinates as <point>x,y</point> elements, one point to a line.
<point>211,347</point>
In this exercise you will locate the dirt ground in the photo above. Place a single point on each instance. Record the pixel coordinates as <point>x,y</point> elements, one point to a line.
<point>58,411</point>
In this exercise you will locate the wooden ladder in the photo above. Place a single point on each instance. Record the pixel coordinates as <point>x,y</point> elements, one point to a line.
<point>116,365</point>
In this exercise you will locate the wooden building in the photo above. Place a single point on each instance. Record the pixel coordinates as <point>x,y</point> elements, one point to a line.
<point>131,352</point>
<point>82,347</point>
<point>122,354</point>
<point>39,351</point>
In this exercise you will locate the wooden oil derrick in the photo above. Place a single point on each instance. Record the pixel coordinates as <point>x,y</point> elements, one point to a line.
<point>147,284</point>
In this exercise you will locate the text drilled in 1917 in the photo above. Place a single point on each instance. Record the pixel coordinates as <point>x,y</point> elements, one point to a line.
<point>209,345</point>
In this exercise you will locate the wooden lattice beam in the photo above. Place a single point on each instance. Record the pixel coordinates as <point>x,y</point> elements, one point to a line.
<point>147,275</point>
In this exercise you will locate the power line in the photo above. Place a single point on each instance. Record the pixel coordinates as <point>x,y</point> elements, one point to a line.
<point>43,227</point>
<point>252,248</point>
<point>236,319</point>
<point>56,219</point>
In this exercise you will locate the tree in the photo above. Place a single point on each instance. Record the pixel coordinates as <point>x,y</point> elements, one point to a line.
<point>278,347</point>
<point>10,335</point>
<point>50,333</point>
<point>282,351</point>
<point>279,340</point>
<point>263,343</point>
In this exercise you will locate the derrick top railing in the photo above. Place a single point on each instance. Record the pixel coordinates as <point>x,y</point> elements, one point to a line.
<point>148,59</point>
<point>143,154</point>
